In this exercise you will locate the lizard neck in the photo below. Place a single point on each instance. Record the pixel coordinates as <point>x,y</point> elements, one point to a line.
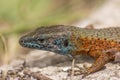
<point>106,33</point>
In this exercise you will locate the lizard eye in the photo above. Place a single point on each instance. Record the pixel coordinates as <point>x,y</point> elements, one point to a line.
<point>66,43</point>
<point>41,40</point>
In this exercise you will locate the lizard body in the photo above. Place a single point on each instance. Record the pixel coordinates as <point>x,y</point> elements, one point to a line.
<point>101,44</point>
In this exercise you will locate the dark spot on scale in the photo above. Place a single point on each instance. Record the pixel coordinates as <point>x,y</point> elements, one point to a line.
<point>92,38</point>
<point>105,39</point>
<point>98,38</point>
<point>112,40</point>
<point>32,46</point>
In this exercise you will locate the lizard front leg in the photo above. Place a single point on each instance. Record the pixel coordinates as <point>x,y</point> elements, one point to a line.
<point>101,60</point>
<point>98,64</point>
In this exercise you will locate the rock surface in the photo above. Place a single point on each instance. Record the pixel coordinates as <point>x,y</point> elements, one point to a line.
<point>42,65</point>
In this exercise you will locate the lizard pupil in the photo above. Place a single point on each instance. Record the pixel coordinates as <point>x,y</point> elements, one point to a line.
<point>66,43</point>
<point>41,40</point>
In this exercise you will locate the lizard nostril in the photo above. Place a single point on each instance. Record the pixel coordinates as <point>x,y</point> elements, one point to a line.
<point>21,41</point>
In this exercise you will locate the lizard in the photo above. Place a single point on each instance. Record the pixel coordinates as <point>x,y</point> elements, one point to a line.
<point>100,44</point>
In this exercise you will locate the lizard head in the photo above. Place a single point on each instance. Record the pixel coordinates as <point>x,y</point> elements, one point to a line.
<point>54,38</point>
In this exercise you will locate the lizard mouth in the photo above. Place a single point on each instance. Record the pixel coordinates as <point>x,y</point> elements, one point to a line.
<point>30,43</point>
<point>33,43</point>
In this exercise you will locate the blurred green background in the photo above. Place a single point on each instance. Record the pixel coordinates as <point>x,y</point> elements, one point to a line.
<point>19,16</point>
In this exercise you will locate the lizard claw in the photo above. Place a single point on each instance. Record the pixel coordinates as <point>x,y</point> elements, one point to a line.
<point>77,72</point>
<point>84,75</point>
